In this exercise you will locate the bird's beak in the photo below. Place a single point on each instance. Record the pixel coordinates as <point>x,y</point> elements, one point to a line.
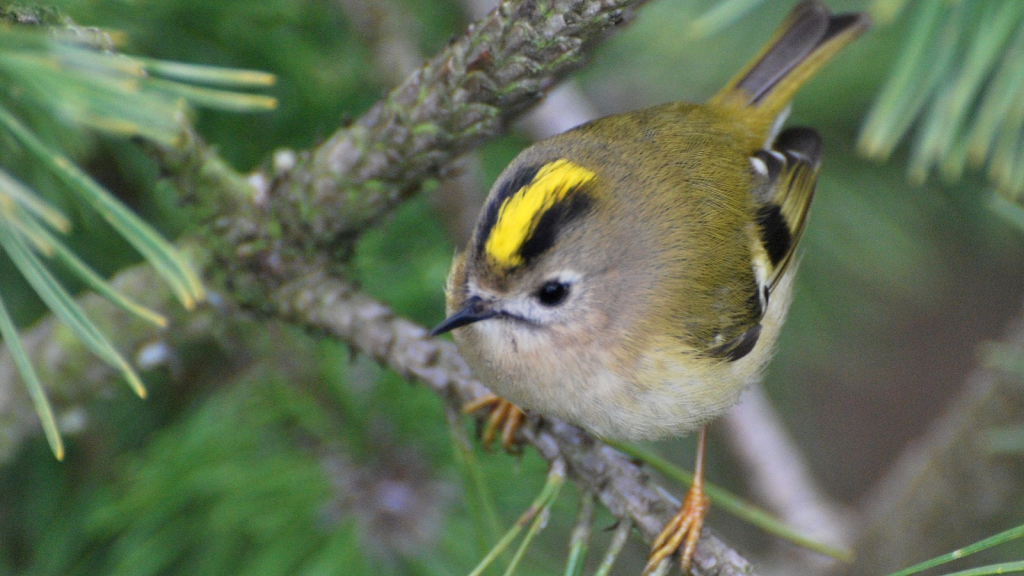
<point>474,309</point>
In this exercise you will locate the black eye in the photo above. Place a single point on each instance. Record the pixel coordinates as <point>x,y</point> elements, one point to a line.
<point>553,293</point>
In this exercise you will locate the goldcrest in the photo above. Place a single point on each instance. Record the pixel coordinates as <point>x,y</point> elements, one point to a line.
<point>631,275</point>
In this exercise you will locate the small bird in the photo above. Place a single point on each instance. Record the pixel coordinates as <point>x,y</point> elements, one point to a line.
<point>631,275</point>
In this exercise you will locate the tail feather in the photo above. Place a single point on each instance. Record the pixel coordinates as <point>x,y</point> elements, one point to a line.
<point>809,37</point>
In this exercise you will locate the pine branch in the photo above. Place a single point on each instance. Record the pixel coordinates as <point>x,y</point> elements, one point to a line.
<point>332,305</point>
<point>464,95</point>
<point>317,300</point>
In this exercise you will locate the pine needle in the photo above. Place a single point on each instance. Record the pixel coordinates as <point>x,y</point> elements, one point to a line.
<point>991,541</point>
<point>722,498</point>
<point>538,508</point>
<point>35,388</point>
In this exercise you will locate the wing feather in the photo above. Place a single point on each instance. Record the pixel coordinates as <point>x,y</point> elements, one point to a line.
<point>787,173</point>
<point>784,199</point>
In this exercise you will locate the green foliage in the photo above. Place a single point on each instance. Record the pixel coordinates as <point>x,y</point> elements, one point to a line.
<point>990,542</point>
<point>54,74</point>
<point>238,497</point>
<point>262,457</point>
<point>405,262</point>
<point>958,76</point>
<point>533,520</point>
<point>324,73</point>
<point>305,464</point>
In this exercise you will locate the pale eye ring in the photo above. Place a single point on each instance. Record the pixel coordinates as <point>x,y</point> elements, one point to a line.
<point>552,293</point>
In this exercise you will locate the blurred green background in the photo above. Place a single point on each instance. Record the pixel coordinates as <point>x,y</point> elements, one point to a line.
<point>272,451</point>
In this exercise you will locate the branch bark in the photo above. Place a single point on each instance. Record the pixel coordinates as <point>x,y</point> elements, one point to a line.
<point>501,66</point>
<point>317,300</point>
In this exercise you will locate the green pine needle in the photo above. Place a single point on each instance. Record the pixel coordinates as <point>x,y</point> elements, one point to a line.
<point>153,247</point>
<point>733,504</point>
<point>991,541</point>
<point>35,388</point>
<point>61,303</point>
<point>212,98</point>
<point>615,547</point>
<point>19,194</point>
<point>19,208</point>
<point>16,220</point>
<point>534,517</point>
<point>944,124</point>
<point>579,541</point>
<point>998,104</point>
<point>958,75</point>
<point>539,521</point>
<point>116,93</point>
<point>213,75</point>
<point>479,497</point>
<point>915,74</point>
<point>94,281</point>
<point>1004,568</point>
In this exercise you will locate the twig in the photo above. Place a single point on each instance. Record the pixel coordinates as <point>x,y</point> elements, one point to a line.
<point>387,29</point>
<point>317,300</point>
<point>500,67</point>
<point>564,107</point>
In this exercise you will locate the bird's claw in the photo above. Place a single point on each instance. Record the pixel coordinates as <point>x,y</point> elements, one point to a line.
<point>504,415</point>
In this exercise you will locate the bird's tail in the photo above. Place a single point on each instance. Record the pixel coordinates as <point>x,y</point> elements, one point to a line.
<point>809,37</point>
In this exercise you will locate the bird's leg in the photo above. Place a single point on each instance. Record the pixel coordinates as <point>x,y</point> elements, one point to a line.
<point>683,530</point>
<point>503,414</point>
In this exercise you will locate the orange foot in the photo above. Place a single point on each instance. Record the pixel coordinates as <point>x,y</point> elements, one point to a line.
<point>683,530</point>
<point>503,414</point>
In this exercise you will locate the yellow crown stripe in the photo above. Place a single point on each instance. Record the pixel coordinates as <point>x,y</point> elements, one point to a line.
<point>520,212</point>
